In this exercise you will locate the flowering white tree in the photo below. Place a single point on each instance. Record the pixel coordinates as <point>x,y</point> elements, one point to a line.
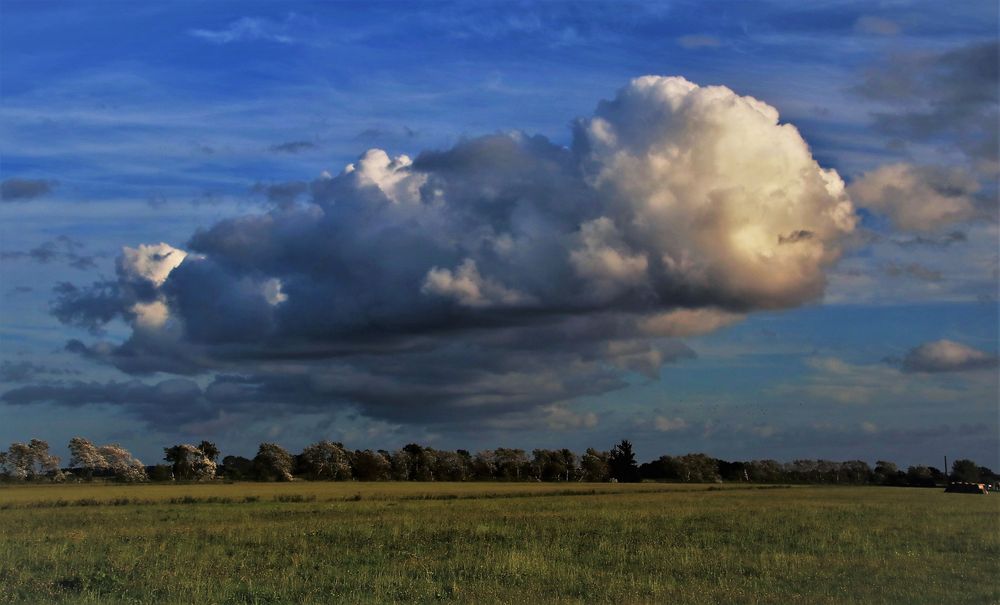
<point>30,461</point>
<point>121,462</point>
<point>272,463</point>
<point>112,457</point>
<point>326,460</point>
<point>190,463</point>
<point>85,456</point>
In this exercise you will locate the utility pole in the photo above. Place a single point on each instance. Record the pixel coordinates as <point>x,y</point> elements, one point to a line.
<point>947,478</point>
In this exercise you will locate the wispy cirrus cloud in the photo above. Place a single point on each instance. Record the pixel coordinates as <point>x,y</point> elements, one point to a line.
<point>247,29</point>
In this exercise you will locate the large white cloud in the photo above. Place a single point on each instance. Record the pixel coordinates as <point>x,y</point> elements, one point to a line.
<point>677,210</point>
<point>718,195</point>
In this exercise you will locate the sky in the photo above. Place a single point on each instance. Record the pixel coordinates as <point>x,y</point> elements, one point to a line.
<point>753,230</point>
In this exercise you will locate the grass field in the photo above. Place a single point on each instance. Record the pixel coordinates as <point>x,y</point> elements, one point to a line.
<point>495,543</point>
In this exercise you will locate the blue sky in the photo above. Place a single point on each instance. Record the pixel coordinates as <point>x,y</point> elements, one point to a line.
<point>125,125</point>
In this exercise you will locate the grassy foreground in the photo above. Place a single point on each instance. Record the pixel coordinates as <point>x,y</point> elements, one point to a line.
<point>495,543</point>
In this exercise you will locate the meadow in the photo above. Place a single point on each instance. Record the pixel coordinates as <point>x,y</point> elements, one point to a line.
<point>523,543</point>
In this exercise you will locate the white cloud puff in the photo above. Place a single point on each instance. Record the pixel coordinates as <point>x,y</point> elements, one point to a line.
<point>469,288</point>
<point>947,356</point>
<point>391,175</point>
<point>711,185</point>
<point>917,198</point>
<point>150,262</point>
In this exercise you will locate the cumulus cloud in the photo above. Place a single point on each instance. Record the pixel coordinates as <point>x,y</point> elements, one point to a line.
<point>506,273</point>
<point>917,198</point>
<point>947,356</point>
<point>22,190</point>
<point>134,295</point>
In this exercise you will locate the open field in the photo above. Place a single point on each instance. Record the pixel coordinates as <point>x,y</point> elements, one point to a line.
<point>495,542</point>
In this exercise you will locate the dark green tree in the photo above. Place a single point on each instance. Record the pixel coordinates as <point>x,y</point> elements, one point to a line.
<point>621,463</point>
<point>237,468</point>
<point>965,470</point>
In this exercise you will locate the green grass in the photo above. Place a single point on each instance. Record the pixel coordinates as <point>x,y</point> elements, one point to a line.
<point>495,543</point>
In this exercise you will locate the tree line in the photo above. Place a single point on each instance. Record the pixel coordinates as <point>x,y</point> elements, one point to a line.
<point>330,461</point>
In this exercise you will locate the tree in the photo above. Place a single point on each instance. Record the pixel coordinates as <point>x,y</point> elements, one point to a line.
<point>919,476</point>
<point>20,462</point>
<point>421,462</point>
<point>553,465</point>
<point>570,464</point>
<point>325,460</point>
<point>401,464</point>
<point>594,466</point>
<point>371,466</point>
<point>85,456</point>
<point>887,473</point>
<point>190,463</point>
<point>272,463</point>
<point>510,463</point>
<point>47,465</point>
<point>765,471</point>
<point>237,468</point>
<point>484,466</point>
<point>857,471</point>
<point>965,471</point>
<point>450,466</point>
<point>30,461</point>
<point>123,465</point>
<point>621,463</point>
<point>209,449</point>
<point>111,458</point>
<point>161,472</point>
